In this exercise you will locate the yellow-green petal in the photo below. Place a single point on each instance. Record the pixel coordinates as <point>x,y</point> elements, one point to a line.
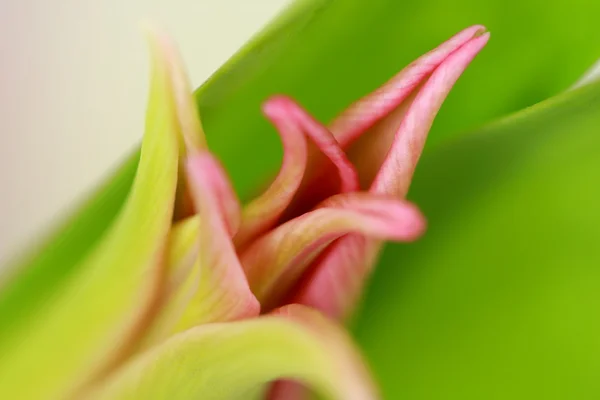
<point>90,323</point>
<point>230,360</point>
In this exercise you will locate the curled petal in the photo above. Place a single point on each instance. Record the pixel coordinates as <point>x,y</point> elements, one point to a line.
<point>292,123</point>
<point>325,141</point>
<point>335,280</point>
<point>223,293</point>
<point>366,129</point>
<point>275,262</point>
<point>225,199</point>
<point>262,213</point>
<point>397,117</point>
<point>238,360</point>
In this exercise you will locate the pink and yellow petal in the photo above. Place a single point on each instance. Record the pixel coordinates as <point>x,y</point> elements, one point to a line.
<point>275,262</point>
<point>92,322</point>
<point>294,124</point>
<point>237,359</point>
<point>223,293</point>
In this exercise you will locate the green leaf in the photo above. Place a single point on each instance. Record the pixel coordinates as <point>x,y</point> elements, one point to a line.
<point>500,299</point>
<point>38,274</point>
<point>335,51</point>
<point>328,53</point>
<point>229,360</point>
<point>89,322</point>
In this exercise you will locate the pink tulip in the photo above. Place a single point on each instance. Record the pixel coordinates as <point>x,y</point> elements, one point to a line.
<point>314,235</point>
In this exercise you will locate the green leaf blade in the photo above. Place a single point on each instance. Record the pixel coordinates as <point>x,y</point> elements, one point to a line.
<point>499,299</point>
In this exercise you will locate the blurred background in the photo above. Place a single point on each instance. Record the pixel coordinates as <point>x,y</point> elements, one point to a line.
<point>499,300</point>
<point>73,85</point>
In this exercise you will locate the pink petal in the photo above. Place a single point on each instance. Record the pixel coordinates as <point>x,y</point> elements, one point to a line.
<point>275,262</point>
<point>364,113</point>
<point>225,199</point>
<point>386,156</point>
<point>389,112</point>
<point>396,172</point>
<point>336,278</point>
<point>324,140</point>
<point>292,123</point>
<point>226,295</point>
<point>366,129</point>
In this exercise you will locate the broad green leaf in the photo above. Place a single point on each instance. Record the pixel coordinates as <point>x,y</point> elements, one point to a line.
<point>342,49</point>
<point>500,299</point>
<point>88,324</point>
<point>38,274</point>
<point>328,53</point>
<point>229,360</point>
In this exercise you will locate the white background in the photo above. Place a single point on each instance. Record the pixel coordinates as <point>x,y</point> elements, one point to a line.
<point>73,81</point>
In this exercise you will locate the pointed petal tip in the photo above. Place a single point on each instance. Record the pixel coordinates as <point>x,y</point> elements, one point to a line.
<point>154,33</point>
<point>277,105</point>
<point>165,55</point>
<point>481,31</point>
<point>473,31</point>
<point>479,34</point>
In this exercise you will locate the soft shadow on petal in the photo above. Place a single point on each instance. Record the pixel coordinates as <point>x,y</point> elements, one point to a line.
<point>181,283</point>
